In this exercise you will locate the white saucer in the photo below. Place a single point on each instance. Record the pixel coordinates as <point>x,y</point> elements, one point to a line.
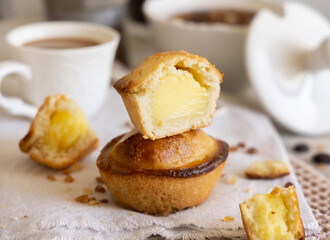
<point>278,48</point>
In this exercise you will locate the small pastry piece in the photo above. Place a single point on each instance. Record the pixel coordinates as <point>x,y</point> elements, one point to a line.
<point>273,216</point>
<point>268,169</point>
<point>170,93</point>
<point>165,175</point>
<point>59,134</point>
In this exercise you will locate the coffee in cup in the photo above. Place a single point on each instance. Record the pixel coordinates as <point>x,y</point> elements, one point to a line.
<point>71,58</point>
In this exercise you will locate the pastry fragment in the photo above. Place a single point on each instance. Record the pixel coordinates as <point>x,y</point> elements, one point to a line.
<point>268,169</point>
<point>170,93</point>
<point>273,216</point>
<point>162,176</point>
<point>59,135</point>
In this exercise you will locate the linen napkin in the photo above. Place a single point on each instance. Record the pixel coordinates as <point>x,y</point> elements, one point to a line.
<point>33,207</point>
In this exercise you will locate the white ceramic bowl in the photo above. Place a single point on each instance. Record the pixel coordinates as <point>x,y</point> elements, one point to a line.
<point>221,44</point>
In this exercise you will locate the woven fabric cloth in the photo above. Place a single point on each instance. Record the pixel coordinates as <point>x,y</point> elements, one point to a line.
<point>316,189</point>
<point>32,207</point>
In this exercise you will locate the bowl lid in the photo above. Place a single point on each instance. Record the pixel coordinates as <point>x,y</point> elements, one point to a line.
<point>288,64</point>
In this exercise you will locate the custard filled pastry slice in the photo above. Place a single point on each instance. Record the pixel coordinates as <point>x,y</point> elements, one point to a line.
<point>273,216</point>
<point>170,93</point>
<point>59,134</point>
<point>165,175</point>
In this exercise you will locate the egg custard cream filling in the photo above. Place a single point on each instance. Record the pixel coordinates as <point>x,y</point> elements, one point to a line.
<point>65,128</point>
<point>177,97</point>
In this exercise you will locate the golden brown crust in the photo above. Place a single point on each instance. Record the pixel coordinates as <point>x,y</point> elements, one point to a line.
<point>161,190</point>
<point>160,195</point>
<point>132,82</point>
<point>32,144</point>
<point>268,169</point>
<point>191,151</point>
<point>248,230</point>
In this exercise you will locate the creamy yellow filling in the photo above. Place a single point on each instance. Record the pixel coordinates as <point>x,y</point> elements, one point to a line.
<point>65,129</point>
<point>270,217</point>
<point>178,96</point>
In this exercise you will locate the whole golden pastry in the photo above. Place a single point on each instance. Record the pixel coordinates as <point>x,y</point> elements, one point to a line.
<point>165,175</point>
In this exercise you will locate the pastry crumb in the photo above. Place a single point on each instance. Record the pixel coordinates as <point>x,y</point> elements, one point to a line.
<point>241,145</point>
<point>94,203</point>
<point>267,169</point>
<point>88,191</point>
<point>82,199</point>
<point>232,179</point>
<point>51,178</point>
<point>15,218</point>
<point>99,180</point>
<point>91,199</point>
<point>99,189</point>
<point>233,149</point>
<point>249,190</point>
<point>2,226</point>
<point>25,216</point>
<point>104,201</point>
<point>251,150</point>
<point>228,219</point>
<point>68,179</point>
<point>132,213</point>
<point>193,231</point>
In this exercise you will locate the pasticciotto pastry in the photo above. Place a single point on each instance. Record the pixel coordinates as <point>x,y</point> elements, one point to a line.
<point>59,134</point>
<point>268,169</point>
<point>273,216</point>
<point>170,93</point>
<point>162,176</point>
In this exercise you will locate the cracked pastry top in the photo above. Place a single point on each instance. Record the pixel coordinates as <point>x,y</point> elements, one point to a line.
<point>170,93</point>
<point>189,154</point>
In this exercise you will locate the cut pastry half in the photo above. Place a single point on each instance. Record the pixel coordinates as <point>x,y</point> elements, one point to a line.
<point>170,93</point>
<point>273,216</point>
<point>59,134</point>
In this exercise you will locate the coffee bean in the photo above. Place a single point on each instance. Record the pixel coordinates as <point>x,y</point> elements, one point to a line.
<point>300,147</point>
<point>321,158</point>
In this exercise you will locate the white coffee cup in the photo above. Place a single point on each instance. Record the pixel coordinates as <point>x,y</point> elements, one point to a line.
<point>81,73</point>
<point>222,44</point>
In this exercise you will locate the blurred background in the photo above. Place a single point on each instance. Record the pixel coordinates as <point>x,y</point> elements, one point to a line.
<point>140,38</point>
<point>124,15</point>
